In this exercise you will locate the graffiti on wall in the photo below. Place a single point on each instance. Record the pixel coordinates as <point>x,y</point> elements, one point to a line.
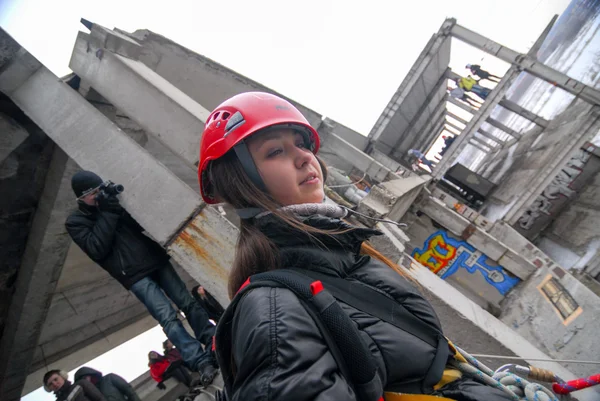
<point>445,255</point>
<point>556,191</point>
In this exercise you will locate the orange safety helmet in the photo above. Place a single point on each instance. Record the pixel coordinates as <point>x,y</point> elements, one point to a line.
<point>235,120</point>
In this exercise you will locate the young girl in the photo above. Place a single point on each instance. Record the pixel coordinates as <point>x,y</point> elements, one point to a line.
<point>258,153</point>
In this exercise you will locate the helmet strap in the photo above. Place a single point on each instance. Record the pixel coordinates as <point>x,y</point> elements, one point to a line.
<point>245,158</point>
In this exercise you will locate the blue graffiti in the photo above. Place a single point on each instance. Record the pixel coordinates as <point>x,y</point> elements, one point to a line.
<point>494,275</point>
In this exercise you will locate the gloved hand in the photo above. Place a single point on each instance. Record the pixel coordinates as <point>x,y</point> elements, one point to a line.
<point>110,204</point>
<point>161,386</point>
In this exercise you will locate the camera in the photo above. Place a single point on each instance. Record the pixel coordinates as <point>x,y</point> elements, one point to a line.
<point>108,189</point>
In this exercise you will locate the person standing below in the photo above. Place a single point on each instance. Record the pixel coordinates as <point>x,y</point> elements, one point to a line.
<point>171,353</point>
<point>421,157</point>
<point>113,387</point>
<point>57,381</point>
<point>162,369</point>
<point>482,74</point>
<point>448,141</point>
<point>104,230</point>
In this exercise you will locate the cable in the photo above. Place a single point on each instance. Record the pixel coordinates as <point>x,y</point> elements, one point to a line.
<point>375,219</point>
<point>348,185</point>
<point>516,358</point>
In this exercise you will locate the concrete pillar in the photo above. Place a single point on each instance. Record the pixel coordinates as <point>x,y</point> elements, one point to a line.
<point>490,136</point>
<point>424,107</point>
<point>42,262</point>
<point>147,98</point>
<point>515,108</point>
<point>527,63</point>
<point>462,105</point>
<point>427,56</point>
<point>426,134</point>
<point>499,125</point>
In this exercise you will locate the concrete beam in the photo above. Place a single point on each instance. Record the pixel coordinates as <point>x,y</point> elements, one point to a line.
<point>148,99</point>
<point>95,143</point>
<point>457,118</point>
<point>499,125</point>
<point>490,136</point>
<point>453,131</point>
<point>527,63</point>
<point>462,105</point>
<point>482,142</point>
<point>44,256</point>
<point>478,146</point>
<point>515,108</point>
<point>456,127</point>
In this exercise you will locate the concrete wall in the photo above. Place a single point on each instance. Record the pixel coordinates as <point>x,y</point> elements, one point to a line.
<point>532,315</point>
<point>581,168</point>
<point>573,239</point>
<point>542,158</point>
<point>472,272</point>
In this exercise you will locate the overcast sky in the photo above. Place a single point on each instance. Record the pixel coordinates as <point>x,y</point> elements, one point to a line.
<point>342,58</point>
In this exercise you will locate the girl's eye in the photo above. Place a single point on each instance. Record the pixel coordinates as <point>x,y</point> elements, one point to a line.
<point>274,152</point>
<point>301,144</point>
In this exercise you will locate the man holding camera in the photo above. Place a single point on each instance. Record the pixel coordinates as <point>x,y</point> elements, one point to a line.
<point>115,241</point>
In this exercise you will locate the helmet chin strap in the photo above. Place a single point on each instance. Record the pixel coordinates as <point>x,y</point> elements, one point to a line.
<point>245,158</point>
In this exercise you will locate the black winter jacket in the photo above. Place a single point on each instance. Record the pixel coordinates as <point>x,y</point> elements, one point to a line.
<point>82,390</point>
<point>112,387</point>
<point>117,243</point>
<point>277,350</point>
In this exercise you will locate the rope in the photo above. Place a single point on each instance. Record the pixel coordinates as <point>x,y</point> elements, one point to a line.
<point>517,358</point>
<point>516,387</point>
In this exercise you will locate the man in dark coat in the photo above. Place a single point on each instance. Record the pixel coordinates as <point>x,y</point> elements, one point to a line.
<point>115,241</point>
<point>57,381</point>
<point>113,387</point>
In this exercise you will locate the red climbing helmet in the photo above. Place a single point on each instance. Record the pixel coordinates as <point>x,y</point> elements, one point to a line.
<point>238,118</point>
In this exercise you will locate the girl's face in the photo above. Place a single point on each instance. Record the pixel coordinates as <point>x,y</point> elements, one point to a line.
<point>289,170</point>
<point>153,355</point>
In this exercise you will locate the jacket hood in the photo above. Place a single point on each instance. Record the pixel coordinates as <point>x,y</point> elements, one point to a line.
<point>299,249</point>
<point>85,371</point>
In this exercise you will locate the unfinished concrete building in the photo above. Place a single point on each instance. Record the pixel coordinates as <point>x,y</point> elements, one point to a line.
<point>133,112</point>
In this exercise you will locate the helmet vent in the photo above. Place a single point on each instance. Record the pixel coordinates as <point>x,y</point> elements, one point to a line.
<point>216,115</point>
<point>234,122</point>
<point>225,116</point>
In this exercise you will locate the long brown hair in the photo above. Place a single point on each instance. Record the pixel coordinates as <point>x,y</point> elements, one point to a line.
<point>255,252</point>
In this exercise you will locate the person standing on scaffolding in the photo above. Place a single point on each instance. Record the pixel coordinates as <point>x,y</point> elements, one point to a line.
<point>470,84</point>
<point>482,74</point>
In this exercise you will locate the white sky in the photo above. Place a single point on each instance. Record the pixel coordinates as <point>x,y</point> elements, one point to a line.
<point>342,58</point>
